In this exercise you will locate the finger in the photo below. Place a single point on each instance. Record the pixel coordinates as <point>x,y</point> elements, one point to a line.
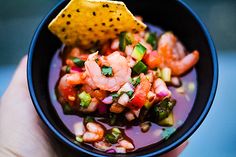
<point>177,151</point>
<point>19,77</point>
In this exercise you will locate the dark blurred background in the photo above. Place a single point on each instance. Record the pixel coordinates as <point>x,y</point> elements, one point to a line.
<point>217,135</point>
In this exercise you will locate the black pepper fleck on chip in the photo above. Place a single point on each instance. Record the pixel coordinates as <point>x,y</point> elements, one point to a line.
<point>94,13</point>
<point>63,29</point>
<point>90,29</point>
<point>95,24</point>
<point>115,29</point>
<point>103,24</point>
<point>118,19</point>
<point>111,11</point>
<point>63,15</point>
<point>105,6</point>
<point>111,25</point>
<point>69,15</point>
<point>68,22</point>
<point>110,19</point>
<point>66,37</point>
<point>77,10</point>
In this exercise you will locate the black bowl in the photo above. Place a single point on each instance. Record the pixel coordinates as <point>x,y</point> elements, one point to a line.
<point>172,15</point>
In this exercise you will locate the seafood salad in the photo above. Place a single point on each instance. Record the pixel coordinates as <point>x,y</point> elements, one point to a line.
<point>129,80</point>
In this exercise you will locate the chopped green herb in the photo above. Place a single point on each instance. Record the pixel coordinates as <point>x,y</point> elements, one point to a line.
<point>115,96</point>
<point>135,81</point>
<point>107,71</point>
<point>78,62</point>
<point>67,69</point>
<point>140,67</point>
<point>167,132</point>
<point>85,99</point>
<point>88,119</point>
<point>152,40</point>
<point>110,138</point>
<point>130,93</point>
<point>112,119</point>
<point>164,108</point>
<point>116,131</point>
<point>67,109</point>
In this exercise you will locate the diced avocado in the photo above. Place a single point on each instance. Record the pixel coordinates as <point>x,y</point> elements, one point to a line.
<point>125,39</point>
<point>138,52</point>
<point>169,121</point>
<point>140,67</point>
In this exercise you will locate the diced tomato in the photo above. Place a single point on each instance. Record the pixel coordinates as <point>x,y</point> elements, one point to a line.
<point>140,93</point>
<point>152,59</point>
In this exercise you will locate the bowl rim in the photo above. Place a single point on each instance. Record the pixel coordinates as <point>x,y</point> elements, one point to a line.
<point>173,145</point>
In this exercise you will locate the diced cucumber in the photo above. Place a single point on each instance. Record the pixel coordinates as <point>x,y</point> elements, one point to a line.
<point>169,121</point>
<point>166,74</point>
<point>125,39</point>
<point>151,38</point>
<point>140,67</point>
<point>138,52</point>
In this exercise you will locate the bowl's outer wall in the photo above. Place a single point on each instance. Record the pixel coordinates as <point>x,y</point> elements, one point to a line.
<point>172,16</point>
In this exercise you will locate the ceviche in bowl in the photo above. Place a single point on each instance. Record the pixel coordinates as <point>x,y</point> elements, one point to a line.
<point>116,84</point>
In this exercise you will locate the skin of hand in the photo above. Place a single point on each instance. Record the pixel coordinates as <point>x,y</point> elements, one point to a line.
<point>22,133</point>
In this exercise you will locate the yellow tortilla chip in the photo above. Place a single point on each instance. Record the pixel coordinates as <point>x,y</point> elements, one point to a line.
<point>85,22</point>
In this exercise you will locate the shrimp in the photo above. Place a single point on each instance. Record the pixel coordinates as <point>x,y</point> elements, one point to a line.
<point>161,89</point>
<point>126,144</point>
<point>66,84</point>
<point>120,68</point>
<point>183,65</point>
<point>102,145</point>
<point>172,54</point>
<point>94,132</point>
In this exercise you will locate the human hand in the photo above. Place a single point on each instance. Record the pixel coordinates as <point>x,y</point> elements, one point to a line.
<point>22,133</point>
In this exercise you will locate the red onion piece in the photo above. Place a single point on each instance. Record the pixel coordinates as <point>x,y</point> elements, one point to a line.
<point>108,100</point>
<point>111,151</point>
<point>76,69</point>
<point>162,94</point>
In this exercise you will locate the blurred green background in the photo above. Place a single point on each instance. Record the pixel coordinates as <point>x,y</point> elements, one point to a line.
<point>217,135</point>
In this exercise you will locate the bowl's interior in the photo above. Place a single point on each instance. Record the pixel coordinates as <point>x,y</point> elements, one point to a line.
<point>172,16</point>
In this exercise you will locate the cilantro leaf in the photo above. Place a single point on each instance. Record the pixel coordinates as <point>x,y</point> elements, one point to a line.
<point>136,81</point>
<point>107,71</point>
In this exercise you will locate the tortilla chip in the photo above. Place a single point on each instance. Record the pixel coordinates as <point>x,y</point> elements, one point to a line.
<point>86,22</point>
